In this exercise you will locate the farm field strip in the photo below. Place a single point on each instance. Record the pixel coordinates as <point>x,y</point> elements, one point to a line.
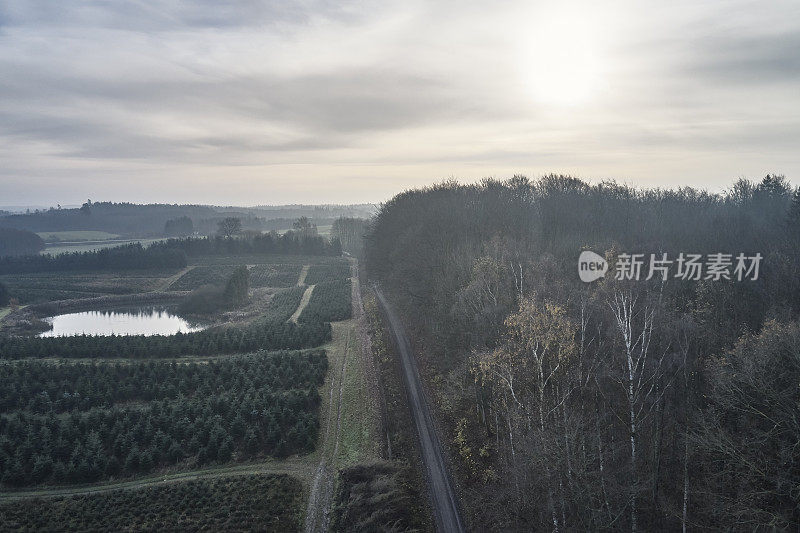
<point>76,236</point>
<point>90,246</point>
<point>261,275</point>
<point>167,283</point>
<point>301,280</point>
<point>303,303</point>
<point>294,466</point>
<point>351,421</point>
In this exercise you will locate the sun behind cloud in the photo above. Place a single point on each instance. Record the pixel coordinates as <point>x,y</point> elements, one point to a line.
<point>560,56</point>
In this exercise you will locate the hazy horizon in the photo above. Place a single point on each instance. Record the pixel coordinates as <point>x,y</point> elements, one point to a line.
<point>250,103</point>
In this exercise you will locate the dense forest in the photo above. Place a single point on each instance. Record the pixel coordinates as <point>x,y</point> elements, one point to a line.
<point>171,253</point>
<point>125,257</point>
<point>350,232</point>
<point>644,404</point>
<point>122,218</point>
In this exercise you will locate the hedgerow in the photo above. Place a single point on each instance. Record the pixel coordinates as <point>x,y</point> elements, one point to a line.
<point>126,257</point>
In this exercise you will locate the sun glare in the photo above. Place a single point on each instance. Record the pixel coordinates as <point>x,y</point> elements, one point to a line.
<point>560,58</point>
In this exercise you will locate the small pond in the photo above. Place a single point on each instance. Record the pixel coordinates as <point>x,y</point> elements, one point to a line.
<point>149,320</point>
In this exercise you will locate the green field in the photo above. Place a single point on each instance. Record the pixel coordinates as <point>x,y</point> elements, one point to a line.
<point>90,246</point>
<point>76,236</point>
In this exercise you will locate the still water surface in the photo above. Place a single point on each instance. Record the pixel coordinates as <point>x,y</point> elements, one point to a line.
<point>138,321</point>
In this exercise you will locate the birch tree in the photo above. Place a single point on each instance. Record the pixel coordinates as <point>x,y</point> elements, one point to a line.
<point>537,346</point>
<point>641,371</point>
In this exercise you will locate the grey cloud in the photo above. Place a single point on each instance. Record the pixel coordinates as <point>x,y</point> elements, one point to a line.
<point>144,15</point>
<point>749,59</point>
<point>324,110</point>
<point>98,88</point>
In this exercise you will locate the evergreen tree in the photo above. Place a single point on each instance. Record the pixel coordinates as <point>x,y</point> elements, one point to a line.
<point>5,297</point>
<point>235,294</point>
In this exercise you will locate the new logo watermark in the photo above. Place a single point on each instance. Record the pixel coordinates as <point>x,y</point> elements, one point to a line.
<point>591,266</point>
<point>714,267</point>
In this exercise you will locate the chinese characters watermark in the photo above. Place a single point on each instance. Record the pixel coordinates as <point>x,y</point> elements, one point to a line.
<point>686,266</point>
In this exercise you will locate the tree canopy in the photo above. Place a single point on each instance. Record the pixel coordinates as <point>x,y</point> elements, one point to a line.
<point>19,242</point>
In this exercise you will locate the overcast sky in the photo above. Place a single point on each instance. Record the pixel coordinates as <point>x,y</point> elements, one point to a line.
<point>245,102</point>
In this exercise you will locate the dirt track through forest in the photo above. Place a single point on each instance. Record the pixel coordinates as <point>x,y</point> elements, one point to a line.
<point>167,283</point>
<point>303,303</point>
<point>440,487</point>
<point>301,280</point>
<point>292,467</point>
<point>320,498</point>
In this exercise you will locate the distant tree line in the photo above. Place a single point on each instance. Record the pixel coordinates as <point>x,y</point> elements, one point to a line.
<point>170,253</point>
<point>178,227</point>
<point>150,220</point>
<point>119,218</point>
<point>350,232</point>
<point>290,243</point>
<point>126,257</point>
<point>637,405</point>
<point>19,242</point>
